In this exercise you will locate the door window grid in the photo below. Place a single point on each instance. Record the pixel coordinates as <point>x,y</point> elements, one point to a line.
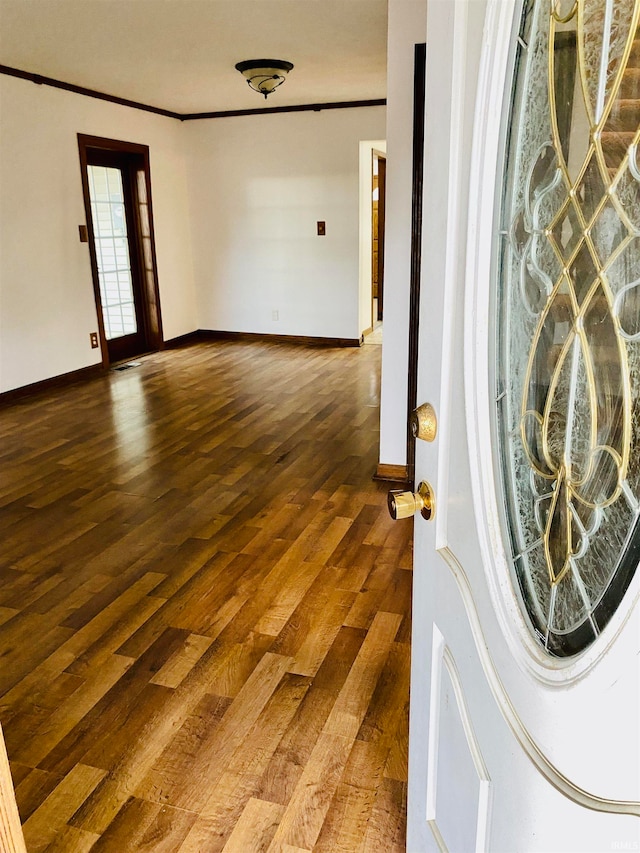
<point>112,251</point>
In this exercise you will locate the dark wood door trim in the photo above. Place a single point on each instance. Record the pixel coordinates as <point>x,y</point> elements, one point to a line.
<point>420,53</point>
<point>145,270</point>
<point>382,203</point>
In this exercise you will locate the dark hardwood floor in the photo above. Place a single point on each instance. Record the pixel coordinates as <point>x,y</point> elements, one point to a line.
<point>205,608</point>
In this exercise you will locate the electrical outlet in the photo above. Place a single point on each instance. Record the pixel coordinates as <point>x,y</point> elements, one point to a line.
<point>93,337</point>
<point>275,315</point>
<point>322,229</point>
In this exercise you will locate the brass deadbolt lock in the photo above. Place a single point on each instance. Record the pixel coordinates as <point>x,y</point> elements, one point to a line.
<point>405,504</point>
<point>423,422</point>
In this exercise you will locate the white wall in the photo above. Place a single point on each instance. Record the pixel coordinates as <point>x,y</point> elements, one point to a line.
<point>235,206</point>
<point>407,27</point>
<point>46,292</point>
<point>258,185</point>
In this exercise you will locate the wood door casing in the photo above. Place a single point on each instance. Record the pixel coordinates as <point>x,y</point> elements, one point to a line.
<point>379,167</point>
<point>419,70</point>
<point>132,160</point>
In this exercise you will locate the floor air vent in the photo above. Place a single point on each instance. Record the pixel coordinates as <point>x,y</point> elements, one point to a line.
<point>128,365</point>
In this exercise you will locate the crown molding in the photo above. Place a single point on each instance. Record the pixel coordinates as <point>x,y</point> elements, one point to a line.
<point>41,80</point>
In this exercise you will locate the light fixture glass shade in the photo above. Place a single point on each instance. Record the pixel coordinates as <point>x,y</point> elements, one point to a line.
<point>264,75</point>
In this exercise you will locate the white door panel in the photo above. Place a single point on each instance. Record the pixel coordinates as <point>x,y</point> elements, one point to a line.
<point>498,797</point>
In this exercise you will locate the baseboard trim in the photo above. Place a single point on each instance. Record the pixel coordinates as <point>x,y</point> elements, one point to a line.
<point>183,340</point>
<point>189,339</point>
<point>81,375</point>
<point>258,337</point>
<point>391,473</point>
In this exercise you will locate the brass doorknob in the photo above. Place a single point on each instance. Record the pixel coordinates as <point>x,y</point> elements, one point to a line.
<point>405,504</point>
<point>423,422</point>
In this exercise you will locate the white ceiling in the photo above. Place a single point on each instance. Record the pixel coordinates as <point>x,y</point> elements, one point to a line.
<point>180,54</point>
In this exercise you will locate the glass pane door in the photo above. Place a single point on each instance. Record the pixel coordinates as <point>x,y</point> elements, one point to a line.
<point>106,192</point>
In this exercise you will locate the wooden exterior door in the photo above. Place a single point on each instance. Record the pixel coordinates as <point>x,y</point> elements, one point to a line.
<point>117,192</point>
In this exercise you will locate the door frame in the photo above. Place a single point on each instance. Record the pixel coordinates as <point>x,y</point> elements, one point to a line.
<point>419,91</point>
<point>11,835</point>
<point>380,231</point>
<point>150,293</point>
<point>366,148</point>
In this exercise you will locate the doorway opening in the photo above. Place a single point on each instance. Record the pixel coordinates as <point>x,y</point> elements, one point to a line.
<point>116,185</point>
<point>378,203</point>
<point>371,152</point>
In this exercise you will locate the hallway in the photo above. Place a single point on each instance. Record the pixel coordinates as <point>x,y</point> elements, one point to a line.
<point>205,608</point>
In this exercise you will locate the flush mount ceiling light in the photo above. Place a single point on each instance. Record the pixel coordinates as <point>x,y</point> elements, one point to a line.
<point>264,75</point>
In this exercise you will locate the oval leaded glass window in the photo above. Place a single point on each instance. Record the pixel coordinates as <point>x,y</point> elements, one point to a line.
<point>568,314</point>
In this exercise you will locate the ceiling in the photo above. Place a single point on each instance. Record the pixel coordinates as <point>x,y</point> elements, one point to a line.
<point>180,54</point>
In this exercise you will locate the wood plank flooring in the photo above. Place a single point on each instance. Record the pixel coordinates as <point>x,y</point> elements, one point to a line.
<point>205,608</point>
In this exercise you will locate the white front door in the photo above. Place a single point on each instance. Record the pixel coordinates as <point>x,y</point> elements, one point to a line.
<point>525,692</point>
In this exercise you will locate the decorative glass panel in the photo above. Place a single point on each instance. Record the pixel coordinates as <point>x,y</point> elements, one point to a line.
<point>568,316</point>
<point>112,251</point>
